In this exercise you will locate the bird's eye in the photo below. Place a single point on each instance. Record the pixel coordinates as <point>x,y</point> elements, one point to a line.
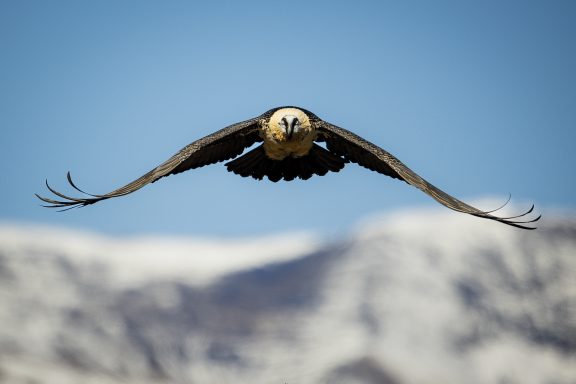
<point>284,122</point>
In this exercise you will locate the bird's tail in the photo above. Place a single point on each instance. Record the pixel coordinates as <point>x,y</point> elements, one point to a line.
<point>256,164</point>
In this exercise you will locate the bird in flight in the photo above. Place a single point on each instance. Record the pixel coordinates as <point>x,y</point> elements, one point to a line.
<point>289,150</point>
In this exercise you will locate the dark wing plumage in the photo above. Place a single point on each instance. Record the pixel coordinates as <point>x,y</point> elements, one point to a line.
<point>354,148</point>
<point>256,164</point>
<point>221,145</point>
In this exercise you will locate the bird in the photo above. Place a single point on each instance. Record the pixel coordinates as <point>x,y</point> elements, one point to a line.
<point>294,143</point>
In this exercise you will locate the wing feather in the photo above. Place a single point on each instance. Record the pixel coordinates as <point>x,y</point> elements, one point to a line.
<point>221,145</point>
<point>358,150</point>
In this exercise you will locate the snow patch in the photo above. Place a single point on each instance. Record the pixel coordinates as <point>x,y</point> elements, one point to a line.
<point>136,259</point>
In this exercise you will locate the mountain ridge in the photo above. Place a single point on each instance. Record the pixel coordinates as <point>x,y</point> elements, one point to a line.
<point>408,298</point>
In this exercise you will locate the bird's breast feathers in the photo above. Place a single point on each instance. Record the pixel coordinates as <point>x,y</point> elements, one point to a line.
<point>277,143</point>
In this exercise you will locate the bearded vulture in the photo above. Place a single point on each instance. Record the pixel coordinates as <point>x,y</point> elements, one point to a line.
<point>289,149</point>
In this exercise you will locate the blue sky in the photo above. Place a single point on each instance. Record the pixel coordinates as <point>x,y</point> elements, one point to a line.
<point>477,97</point>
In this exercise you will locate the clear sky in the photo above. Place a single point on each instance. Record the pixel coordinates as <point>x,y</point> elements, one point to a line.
<point>477,97</point>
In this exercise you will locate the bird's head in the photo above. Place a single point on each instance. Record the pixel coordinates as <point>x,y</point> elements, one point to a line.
<point>289,124</point>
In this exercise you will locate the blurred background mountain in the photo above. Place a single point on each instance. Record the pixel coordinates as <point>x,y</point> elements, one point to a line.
<point>418,297</point>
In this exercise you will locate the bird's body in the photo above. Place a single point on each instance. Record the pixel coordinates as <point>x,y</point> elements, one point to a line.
<point>289,150</point>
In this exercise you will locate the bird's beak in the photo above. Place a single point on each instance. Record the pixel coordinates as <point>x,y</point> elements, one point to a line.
<point>289,132</point>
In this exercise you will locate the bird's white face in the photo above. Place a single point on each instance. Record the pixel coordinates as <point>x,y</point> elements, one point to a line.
<point>288,133</point>
<point>289,124</point>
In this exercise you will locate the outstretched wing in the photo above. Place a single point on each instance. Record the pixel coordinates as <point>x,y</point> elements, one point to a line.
<point>221,145</point>
<point>356,149</point>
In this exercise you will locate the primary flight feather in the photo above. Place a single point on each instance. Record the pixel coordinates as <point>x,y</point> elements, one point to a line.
<point>289,149</point>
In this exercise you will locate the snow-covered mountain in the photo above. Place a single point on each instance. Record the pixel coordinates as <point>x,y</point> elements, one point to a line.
<point>410,298</point>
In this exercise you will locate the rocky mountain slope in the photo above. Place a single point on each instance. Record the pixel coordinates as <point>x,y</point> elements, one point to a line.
<point>411,298</point>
